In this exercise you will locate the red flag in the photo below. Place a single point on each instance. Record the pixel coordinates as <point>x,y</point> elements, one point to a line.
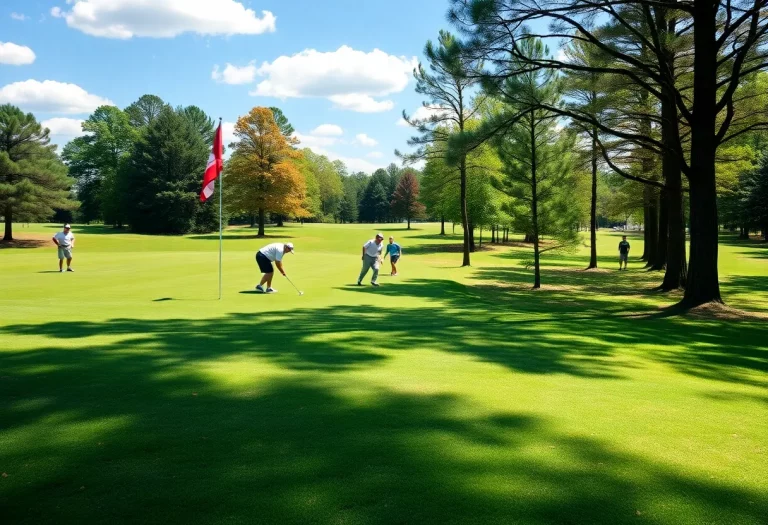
<point>214,168</point>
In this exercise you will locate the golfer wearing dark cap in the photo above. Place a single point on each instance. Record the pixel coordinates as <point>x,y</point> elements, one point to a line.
<point>272,253</point>
<point>371,259</point>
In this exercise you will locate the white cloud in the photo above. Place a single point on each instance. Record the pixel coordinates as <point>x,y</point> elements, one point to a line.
<point>353,164</point>
<point>21,17</point>
<point>51,97</point>
<point>125,19</point>
<point>423,113</point>
<point>365,140</point>
<point>15,55</point>
<point>349,78</point>
<point>312,141</point>
<point>375,155</point>
<point>64,127</point>
<point>327,130</point>
<point>361,103</point>
<point>234,75</point>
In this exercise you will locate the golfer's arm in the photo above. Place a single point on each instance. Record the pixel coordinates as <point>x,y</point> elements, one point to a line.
<point>279,265</point>
<point>55,241</point>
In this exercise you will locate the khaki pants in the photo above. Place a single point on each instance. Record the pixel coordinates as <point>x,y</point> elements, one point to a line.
<point>368,263</point>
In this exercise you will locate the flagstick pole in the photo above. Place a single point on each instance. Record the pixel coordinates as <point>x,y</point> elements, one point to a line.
<point>221,211</point>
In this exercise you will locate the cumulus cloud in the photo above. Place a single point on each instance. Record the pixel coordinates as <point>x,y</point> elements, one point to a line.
<point>353,164</point>
<point>228,133</point>
<point>15,54</point>
<point>50,96</point>
<point>126,19</point>
<point>328,130</point>
<point>234,75</point>
<point>375,155</point>
<point>64,127</point>
<point>21,17</point>
<point>310,140</point>
<point>351,79</point>
<point>365,140</point>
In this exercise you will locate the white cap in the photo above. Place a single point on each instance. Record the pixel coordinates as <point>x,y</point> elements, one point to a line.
<point>67,226</point>
<point>289,245</point>
<point>380,235</point>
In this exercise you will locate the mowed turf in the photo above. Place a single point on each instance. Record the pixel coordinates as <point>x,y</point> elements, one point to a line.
<point>130,394</point>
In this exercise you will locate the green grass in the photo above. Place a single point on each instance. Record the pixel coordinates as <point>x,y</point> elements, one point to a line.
<point>128,393</point>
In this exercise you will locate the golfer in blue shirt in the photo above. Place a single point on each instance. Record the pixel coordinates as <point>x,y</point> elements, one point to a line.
<point>394,251</point>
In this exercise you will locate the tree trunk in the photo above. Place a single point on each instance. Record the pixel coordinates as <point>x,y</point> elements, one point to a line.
<point>493,234</point>
<point>535,211</point>
<point>464,219</point>
<point>660,262</point>
<point>646,229</point>
<point>261,222</point>
<point>253,220</point>
<point>8,224</point>
<point>676,274</point>
<point>743,233</point>
<point>652,226</point>
<point>593,208</point>
<point>703,285</point>
<point>472,246</point>
<point>280,221</point>
<point>409,223</point>
<point>442,225</point>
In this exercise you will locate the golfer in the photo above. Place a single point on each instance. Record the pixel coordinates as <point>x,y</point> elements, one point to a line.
<point>623,252</point>
<point>394,251</point>
<point>371,259</point>
<point>272,253</point>
<point>65,240</point>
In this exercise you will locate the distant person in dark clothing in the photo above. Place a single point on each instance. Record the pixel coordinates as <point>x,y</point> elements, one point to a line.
<point>623,252</point>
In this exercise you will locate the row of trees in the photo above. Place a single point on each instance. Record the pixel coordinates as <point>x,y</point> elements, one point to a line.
<point>620,99</point>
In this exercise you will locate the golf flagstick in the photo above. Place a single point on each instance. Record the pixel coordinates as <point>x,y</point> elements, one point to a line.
<point>221,211</point>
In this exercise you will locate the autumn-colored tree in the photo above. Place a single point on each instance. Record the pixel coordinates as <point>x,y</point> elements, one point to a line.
<point>261,176</point>
<point>405,200</point>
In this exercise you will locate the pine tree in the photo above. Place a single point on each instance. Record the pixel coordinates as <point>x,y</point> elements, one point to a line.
<point>33,181</point>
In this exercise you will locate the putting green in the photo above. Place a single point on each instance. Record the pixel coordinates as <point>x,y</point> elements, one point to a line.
<point>129,393</point>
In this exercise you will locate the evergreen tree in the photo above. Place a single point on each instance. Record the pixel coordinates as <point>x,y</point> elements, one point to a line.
<point>33,181</point>
<point>162,178</point>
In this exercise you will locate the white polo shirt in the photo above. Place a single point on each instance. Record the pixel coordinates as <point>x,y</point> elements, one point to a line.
<point>372,249</point>
<point>64,239</point>
<point>274,251</point>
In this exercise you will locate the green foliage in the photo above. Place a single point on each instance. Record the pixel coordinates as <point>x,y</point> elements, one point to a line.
<point>286,129</point>
<point>33,180</point>
<point>145,110</point>
<point>405,199</point>
<point>324,185</point>
<point>163,178</point>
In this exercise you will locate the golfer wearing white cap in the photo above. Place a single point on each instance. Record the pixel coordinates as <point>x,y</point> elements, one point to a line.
<point>272,253</point>
<point>371,259</point>
<point>65,240</point>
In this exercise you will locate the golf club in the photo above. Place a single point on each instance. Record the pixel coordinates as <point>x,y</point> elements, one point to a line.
<point>289,280</point>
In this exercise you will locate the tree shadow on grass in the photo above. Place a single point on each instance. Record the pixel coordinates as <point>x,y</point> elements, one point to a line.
<point>238,237</point>
<point>126,436</point>
<point>24,243</point>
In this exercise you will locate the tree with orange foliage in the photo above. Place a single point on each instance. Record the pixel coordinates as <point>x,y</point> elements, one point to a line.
<point>261,176</point>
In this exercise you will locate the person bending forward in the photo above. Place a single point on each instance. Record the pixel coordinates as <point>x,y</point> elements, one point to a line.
<point>272,253</point>
<point>371,259</point>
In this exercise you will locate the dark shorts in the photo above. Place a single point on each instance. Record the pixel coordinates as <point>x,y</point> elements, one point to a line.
<point>265,265</point>
<point>394,259</point>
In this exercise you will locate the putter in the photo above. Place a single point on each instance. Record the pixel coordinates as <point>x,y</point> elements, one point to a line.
<point>289,280</point>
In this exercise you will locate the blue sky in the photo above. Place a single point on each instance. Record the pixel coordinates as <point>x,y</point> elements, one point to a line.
<point>315,60</point>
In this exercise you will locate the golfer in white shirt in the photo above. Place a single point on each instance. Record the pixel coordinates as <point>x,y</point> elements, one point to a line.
<point>371,259</point>
<point>272,253</point>
<point>65,240</point>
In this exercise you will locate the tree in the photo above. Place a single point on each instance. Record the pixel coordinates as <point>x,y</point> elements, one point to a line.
<point>282,123</point>
<point>162,178</point>
<point>374,205</point>
<point>435,192</point>
<point>727,39</point>
<point>97,160</point>
<point>537,165</point>
<point>33,181</point>
<point>405,200</point>
<point>447,87</point>
<point>200,121</point>
<point>145,110</point>
<point>262,175</point>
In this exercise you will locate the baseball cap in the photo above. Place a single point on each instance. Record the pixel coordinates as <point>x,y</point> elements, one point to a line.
<point>289,245</point>
<point>67,226</point>
<point>380,235</point>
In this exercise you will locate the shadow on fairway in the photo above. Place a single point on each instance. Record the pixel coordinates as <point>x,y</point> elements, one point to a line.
<point>141,438</point>
<point>238,237</point>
